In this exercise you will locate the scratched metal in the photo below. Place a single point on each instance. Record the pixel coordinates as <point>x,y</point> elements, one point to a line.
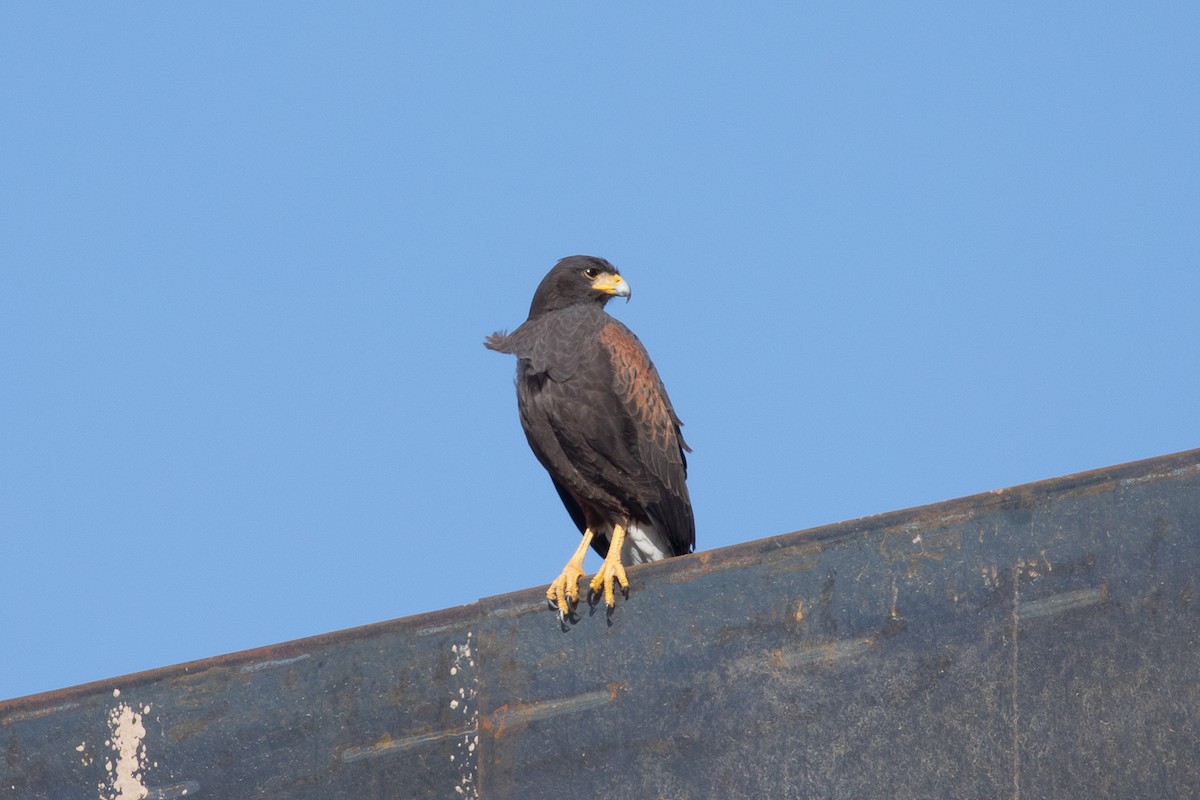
<point>1040,641</point>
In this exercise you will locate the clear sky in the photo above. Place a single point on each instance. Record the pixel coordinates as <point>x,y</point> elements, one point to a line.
<point>883,254</point>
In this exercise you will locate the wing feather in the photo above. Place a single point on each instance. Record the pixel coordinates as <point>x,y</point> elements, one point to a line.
<point>660,446</point>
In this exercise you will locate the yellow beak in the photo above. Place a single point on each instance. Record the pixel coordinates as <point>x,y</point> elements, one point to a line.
<point>612,284</point>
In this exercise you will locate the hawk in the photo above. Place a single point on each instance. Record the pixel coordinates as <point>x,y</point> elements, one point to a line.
<point>598,419</point>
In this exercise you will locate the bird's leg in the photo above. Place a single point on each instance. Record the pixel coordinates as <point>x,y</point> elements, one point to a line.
<point>612,569</point>
<point>564,591</point>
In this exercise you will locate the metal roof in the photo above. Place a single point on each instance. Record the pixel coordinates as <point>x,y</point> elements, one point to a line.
<point>1039,641</point>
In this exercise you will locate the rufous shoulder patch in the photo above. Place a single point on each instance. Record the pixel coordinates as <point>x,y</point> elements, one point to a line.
<point>637,382</point>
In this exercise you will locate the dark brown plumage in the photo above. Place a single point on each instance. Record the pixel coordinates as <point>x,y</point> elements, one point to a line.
<point>598,419</point>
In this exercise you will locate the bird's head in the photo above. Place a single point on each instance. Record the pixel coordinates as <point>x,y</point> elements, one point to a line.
<point>578,280</point>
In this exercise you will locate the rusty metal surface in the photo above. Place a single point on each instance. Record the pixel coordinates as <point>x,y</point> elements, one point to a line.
<point>1040,641</point>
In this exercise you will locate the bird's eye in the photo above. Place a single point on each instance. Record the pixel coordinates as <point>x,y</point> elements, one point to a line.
<point>591,273</point>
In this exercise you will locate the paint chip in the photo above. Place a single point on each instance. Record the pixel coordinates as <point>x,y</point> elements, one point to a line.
<point>126,773</point>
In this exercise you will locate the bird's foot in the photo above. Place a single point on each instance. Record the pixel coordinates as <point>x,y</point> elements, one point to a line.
<point>563,593</point>
<point>612,571</point>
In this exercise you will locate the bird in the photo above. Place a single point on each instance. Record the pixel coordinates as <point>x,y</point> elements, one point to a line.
<point>598,418</point>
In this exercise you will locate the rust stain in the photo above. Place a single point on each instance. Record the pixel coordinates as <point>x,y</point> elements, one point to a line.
<point>516,716</point>
<point>485,721</point>
<point>931,545</point>
<point>798,611</point>
<point>915,560</point>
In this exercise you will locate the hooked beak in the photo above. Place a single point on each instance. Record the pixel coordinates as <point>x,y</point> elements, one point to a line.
<point>612,284</point>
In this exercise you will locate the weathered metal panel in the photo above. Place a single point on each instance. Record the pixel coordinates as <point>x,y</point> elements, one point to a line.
<point>1033,642</point>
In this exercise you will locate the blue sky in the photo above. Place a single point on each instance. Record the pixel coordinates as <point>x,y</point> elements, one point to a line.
<point>882,254</point>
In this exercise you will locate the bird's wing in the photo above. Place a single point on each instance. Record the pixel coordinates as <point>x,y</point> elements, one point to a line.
<point>579,430</point>
<point>657,440</point>
<point>544,344</point>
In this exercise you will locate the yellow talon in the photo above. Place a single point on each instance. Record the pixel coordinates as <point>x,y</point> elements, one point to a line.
<point>564,591</point>
<point>612,569</point>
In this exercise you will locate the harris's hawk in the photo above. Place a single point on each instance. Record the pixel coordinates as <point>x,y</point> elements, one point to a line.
<point>598,419</point>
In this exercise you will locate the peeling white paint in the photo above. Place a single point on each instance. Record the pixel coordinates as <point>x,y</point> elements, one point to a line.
<point>465,704</point>
<point>126,772</point>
